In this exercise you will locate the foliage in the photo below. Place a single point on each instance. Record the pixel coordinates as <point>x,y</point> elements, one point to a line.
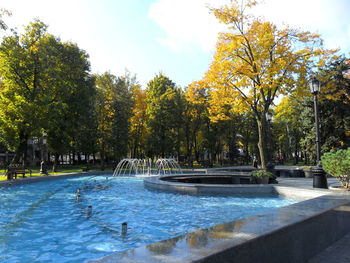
<point>72,123</point>
<point>3,12</point>
<point>255,62</point>
<point>46,86</point>
<point>41,81</point>
<point>307,168</point>
<point>334,111</point>
<point>337,163</point>
<point>262,174</point>
<point>288,123</point>
<point>113,111</point>
<point>164,111</point>
<point>138,124</point>
<point>335,80</point>
<point>195,118</point>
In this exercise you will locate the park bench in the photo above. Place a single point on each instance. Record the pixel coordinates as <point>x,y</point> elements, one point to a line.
<point>14,170</point>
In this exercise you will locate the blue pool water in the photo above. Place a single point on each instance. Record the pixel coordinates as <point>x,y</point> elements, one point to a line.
<point>44,222</point>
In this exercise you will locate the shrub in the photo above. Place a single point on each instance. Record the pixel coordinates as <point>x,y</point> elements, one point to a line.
<point>337,163</point>
<point>307,168</point>
<point>262,174</point>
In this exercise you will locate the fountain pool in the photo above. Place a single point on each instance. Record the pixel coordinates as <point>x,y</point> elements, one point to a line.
<point>46,222</point>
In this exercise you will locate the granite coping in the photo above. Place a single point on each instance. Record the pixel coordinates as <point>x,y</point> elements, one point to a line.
<point>34,179</point>
<point>284,189</point>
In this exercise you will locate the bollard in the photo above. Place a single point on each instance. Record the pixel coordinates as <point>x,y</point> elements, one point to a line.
<point>89,211</point>
<point>124,228</point>
<point>78,194</point>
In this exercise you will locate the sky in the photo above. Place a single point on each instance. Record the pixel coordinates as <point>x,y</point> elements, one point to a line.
<point>175,37</point>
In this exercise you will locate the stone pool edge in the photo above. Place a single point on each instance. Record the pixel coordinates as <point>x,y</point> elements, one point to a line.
<point>35,179</point>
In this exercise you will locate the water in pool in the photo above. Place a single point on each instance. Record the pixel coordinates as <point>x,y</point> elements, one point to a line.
<point>44,222</point>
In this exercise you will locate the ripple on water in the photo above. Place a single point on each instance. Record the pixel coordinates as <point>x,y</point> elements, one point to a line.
<point>43,222</point>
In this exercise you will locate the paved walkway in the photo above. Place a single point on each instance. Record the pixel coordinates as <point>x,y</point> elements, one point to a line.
<point>304,182</point>
<point>339,252</point>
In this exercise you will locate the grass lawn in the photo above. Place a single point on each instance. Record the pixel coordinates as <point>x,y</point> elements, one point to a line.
<point>36,171</point>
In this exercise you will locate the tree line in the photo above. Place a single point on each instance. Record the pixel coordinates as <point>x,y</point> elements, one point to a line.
<point>47,89</point>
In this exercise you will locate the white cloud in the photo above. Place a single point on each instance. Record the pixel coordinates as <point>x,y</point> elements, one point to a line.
<point>188,23</point>
<point>328,18</point>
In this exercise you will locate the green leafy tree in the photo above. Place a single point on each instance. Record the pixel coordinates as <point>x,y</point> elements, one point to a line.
<point>164,115</point>
<point>114,109</point>
<point>333,108</point>
<point>36,78</point>
<point>138,124</point>
<point>289,122</point>
<point>72,124</point>
<point>123,108</point>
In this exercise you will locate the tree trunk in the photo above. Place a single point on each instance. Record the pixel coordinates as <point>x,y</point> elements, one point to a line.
<point>103,156</point>
<point>21,149</point>
<point>54,166</point>
<point>262,144</point>
<point>73,157</point>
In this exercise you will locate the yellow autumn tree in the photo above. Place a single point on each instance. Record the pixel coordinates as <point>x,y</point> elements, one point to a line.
<point>255,62</point>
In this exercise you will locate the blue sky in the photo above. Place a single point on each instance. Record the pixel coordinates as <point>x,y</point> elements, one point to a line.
<point>176,37</point>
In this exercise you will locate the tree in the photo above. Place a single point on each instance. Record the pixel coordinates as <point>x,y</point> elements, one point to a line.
<point>289,122</point>
<point>72,124</point>
<point>334,109</point>
<point>37,78</point>
<point>295,114</point>
<point>205,132</point>
<point>256,62</point>
<point>164,115</point>
<point>138,124</point>
<point>113,109</point>
<point>3,12</point>
<point>123,106</point>
<point>195,115</point>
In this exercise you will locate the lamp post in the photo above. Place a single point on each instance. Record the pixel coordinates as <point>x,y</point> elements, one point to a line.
<point>43,169</point>
<point>319,176</point>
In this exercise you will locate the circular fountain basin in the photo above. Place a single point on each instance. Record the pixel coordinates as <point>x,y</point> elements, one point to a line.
<point>209,184</point>
<point>209,179</point>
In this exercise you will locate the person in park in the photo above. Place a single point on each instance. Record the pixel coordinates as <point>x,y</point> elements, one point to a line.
<point>255,162</point>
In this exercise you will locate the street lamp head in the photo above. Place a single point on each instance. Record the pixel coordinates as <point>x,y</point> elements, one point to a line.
<point>44,134</point>
<point>315,86</point>
<point>268,116</point>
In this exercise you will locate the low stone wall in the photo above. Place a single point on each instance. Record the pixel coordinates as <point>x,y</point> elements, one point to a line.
<point>190,188</point>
